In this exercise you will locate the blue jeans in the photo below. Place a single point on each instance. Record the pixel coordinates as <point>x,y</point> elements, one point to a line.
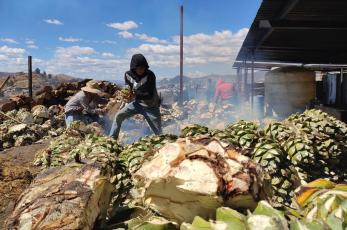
<point>152,116</point>
<point>86,118</point>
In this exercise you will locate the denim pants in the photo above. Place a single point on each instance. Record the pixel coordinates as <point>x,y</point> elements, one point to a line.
<point>86,118</point>
<point>152,116</point>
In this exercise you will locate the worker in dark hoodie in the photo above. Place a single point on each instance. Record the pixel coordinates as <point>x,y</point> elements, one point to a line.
<point>142,85</point>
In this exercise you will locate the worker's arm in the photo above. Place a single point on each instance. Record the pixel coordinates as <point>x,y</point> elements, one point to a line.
<point>88,108</point>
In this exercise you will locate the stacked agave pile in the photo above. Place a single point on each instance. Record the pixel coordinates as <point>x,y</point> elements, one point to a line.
<point>301,149</point>
<point>314,143</point>
<point>168,181</point>
<point>27,127</point>
<point>328,138</point>
<point>243,134</point>
<point>59,151</point>
<point>81,176</point>
<point>280,173</point>
<point>194,131</point>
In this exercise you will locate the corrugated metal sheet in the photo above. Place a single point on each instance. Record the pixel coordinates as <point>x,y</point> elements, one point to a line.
<point>303,31</point>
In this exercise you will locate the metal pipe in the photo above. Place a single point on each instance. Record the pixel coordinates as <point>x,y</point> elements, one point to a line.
<point>246,84</point>
<point>30,77</point>
<point>181,54</point>
<point>342,94</point>
<point>242,85</point>
<point>238,81</point>
<point>252,81</point>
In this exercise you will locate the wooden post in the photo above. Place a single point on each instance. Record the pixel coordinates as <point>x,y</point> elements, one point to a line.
<point>181,54</point>
<point>4,82</point>
<point>30,77</point>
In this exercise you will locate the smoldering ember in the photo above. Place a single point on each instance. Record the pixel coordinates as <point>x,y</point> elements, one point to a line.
<point>263,147</point>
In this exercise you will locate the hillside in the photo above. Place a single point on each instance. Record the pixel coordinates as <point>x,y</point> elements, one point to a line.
<point>18,83</point>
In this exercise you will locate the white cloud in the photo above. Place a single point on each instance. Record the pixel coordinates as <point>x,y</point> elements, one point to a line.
<point>32,46</point>
<point>107,55</point>
<point>156,49</point>
<point>76,62</point>
<point>73,51</point>
<point>53,21</point>
<point>29,42</point>
<point>69,39</point>
<point>9,40</point>
<point>219,47</point>
<point>128,25</point>
<point>109,42</point>
<point>146,38</point>
<point>203,53</point>
<point>3,57</point>
<point>125,34</point>
<point>11,51</point>
<point>142,37</point>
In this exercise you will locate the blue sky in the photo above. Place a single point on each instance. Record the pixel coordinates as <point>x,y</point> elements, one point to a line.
<point>89,38</point>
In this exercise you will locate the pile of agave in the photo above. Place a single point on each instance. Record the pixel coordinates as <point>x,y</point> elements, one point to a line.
<point>24,127</point>
<point>294,169</point>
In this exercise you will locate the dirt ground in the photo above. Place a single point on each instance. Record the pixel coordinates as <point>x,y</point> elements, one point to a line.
<point>16,173</point>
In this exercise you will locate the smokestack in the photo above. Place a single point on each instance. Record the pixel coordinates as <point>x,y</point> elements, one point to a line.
<point>181,54</point>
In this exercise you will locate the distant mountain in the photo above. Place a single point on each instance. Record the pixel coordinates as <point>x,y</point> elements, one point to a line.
<point>258,77</point>
<point>4,74</point>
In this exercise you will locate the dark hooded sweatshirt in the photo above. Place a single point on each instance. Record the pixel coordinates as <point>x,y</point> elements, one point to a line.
<point>144,87</point>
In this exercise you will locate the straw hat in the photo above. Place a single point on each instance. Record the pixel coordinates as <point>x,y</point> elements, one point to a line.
<point>94,87</point>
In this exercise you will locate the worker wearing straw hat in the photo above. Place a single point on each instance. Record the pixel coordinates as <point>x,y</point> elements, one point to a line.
<point>83,105</point>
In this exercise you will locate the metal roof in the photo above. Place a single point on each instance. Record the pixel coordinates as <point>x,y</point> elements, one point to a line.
<point>297,31</point>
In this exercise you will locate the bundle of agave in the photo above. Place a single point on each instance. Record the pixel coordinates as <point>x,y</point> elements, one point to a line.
<point>243,134</point>
<point>194,130</point>
<point>194,176</point>
<point>325,201</point>
<point>329,139</point>
<point>58,152</point>
<point>314,143</point>
<point>39,123</point>
<point>280,175</point>
<point>263,217</point>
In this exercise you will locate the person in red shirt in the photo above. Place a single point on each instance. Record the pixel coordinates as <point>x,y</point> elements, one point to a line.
<point>224,91</point>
